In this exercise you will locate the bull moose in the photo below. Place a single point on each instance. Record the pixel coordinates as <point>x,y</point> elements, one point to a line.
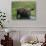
<point>23,13</point>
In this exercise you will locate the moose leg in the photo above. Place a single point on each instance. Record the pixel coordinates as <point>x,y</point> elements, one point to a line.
<point>17,15</point>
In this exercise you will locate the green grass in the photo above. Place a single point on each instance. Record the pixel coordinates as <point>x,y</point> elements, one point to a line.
<point>31,5</point>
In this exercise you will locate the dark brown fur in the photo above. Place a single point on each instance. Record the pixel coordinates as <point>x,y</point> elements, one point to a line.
<point>23,13</point>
